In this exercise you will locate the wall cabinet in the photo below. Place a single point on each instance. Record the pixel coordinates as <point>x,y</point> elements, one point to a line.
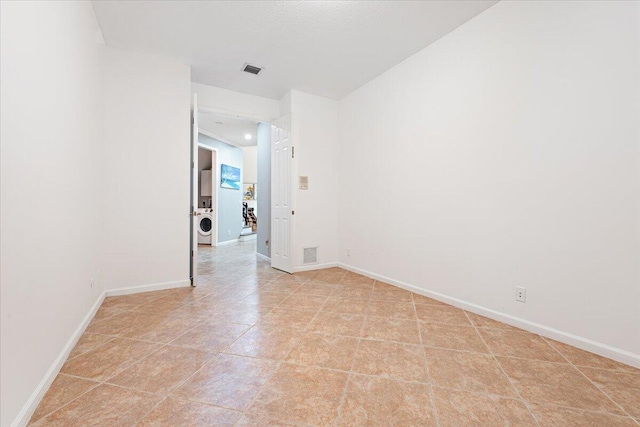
<point>205,183</point>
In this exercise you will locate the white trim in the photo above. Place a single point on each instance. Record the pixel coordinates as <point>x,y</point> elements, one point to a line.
<point>34,400</point>
<point>248,237</point>
<point>314,267</point>
<point>236,114</point>
<point>586,344</point>
<point>221,139</point>
<point>148,288</point>
<point>228,242</point>
<point>205,146</point>
<point>264,257</point>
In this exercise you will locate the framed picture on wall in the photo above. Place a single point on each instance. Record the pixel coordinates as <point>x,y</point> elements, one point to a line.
<point>249,191</point>
<point>229,177</point>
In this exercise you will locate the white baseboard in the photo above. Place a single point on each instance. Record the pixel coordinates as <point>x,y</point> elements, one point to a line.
<point>148,288</point>
<point>586,344</point>
<point>34,400</point>
<point>227,242</point>
<point>248,238</point>
<point>314,267</point>
<point>264,257</point>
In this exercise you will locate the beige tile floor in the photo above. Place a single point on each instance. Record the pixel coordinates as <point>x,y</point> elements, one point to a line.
<point>251,346</point>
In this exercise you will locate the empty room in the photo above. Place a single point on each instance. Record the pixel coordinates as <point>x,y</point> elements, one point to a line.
<point>320,213</point>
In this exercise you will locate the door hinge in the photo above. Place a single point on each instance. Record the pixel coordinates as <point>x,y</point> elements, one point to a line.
<point>193,120</point>
<point>193,165</point>
<point>293,212</point>
<point>191,254</point>
<point>293,152</point>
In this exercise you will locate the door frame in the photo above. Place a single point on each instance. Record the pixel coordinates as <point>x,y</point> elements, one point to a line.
<point>214,182</point>
<point>193,194</point>
<point>294,163</point>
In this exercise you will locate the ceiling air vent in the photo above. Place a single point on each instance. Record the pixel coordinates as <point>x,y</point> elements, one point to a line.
<point>251,69</point>
<point>310,255</point>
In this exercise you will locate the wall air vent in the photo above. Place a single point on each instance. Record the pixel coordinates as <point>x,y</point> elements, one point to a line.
<point>310,255</point>
<point>251,69</point>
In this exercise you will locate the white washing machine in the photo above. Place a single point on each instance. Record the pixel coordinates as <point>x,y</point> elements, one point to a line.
<point>205,226</point>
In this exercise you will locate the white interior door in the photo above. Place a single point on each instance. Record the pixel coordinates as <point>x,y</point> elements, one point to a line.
<point>281,210</point>
<point>194,192</point>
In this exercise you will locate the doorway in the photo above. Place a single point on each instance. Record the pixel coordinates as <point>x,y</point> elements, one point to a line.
<point>241,169</point>
<point>207,211</point>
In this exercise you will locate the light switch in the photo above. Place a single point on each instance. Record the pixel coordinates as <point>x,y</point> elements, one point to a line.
<point>304,182</point>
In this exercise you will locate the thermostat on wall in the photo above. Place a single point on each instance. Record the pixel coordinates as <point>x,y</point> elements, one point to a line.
<point>304,182</point>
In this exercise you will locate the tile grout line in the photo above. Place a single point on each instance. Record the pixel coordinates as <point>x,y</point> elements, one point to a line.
<point>343,398</point>
<point>589,379</point>
<point>279,364</point>
<point>228,347</point>
<point>203,403</point>
<point>304,330</point>
<point>99,383</point>
<point>526,404</point>
<point>170,394</point>
<point>127,338</point>
<point>432,394</point>
<point>164,397</point>
<point>191,376</point>
<point>66,404</point>
<point>90,350</point>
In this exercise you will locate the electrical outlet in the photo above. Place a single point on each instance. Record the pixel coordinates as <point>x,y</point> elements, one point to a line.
<point>228,232</point>
<point>521,294</point>
<point>348,252</point>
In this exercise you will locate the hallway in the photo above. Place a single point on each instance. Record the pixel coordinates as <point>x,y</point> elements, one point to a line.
<point>252,346</point>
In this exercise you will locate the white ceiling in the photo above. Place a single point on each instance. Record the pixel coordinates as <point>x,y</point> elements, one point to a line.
<point>232,130</point>
<point>327,48</point>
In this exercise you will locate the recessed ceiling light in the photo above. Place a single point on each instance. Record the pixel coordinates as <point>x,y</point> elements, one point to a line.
<point>247,136</point>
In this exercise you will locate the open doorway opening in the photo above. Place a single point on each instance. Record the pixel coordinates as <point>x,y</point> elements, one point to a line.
<point>207,195</point>
<point>234,191</point>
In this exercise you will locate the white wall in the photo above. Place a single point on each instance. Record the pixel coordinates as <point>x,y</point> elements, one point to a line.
<point>506,154</point>
<point>51,187</point>
<point>250,164</point>
<point>147,132</point>
<point>235,103</point>
<point>315,138</point>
